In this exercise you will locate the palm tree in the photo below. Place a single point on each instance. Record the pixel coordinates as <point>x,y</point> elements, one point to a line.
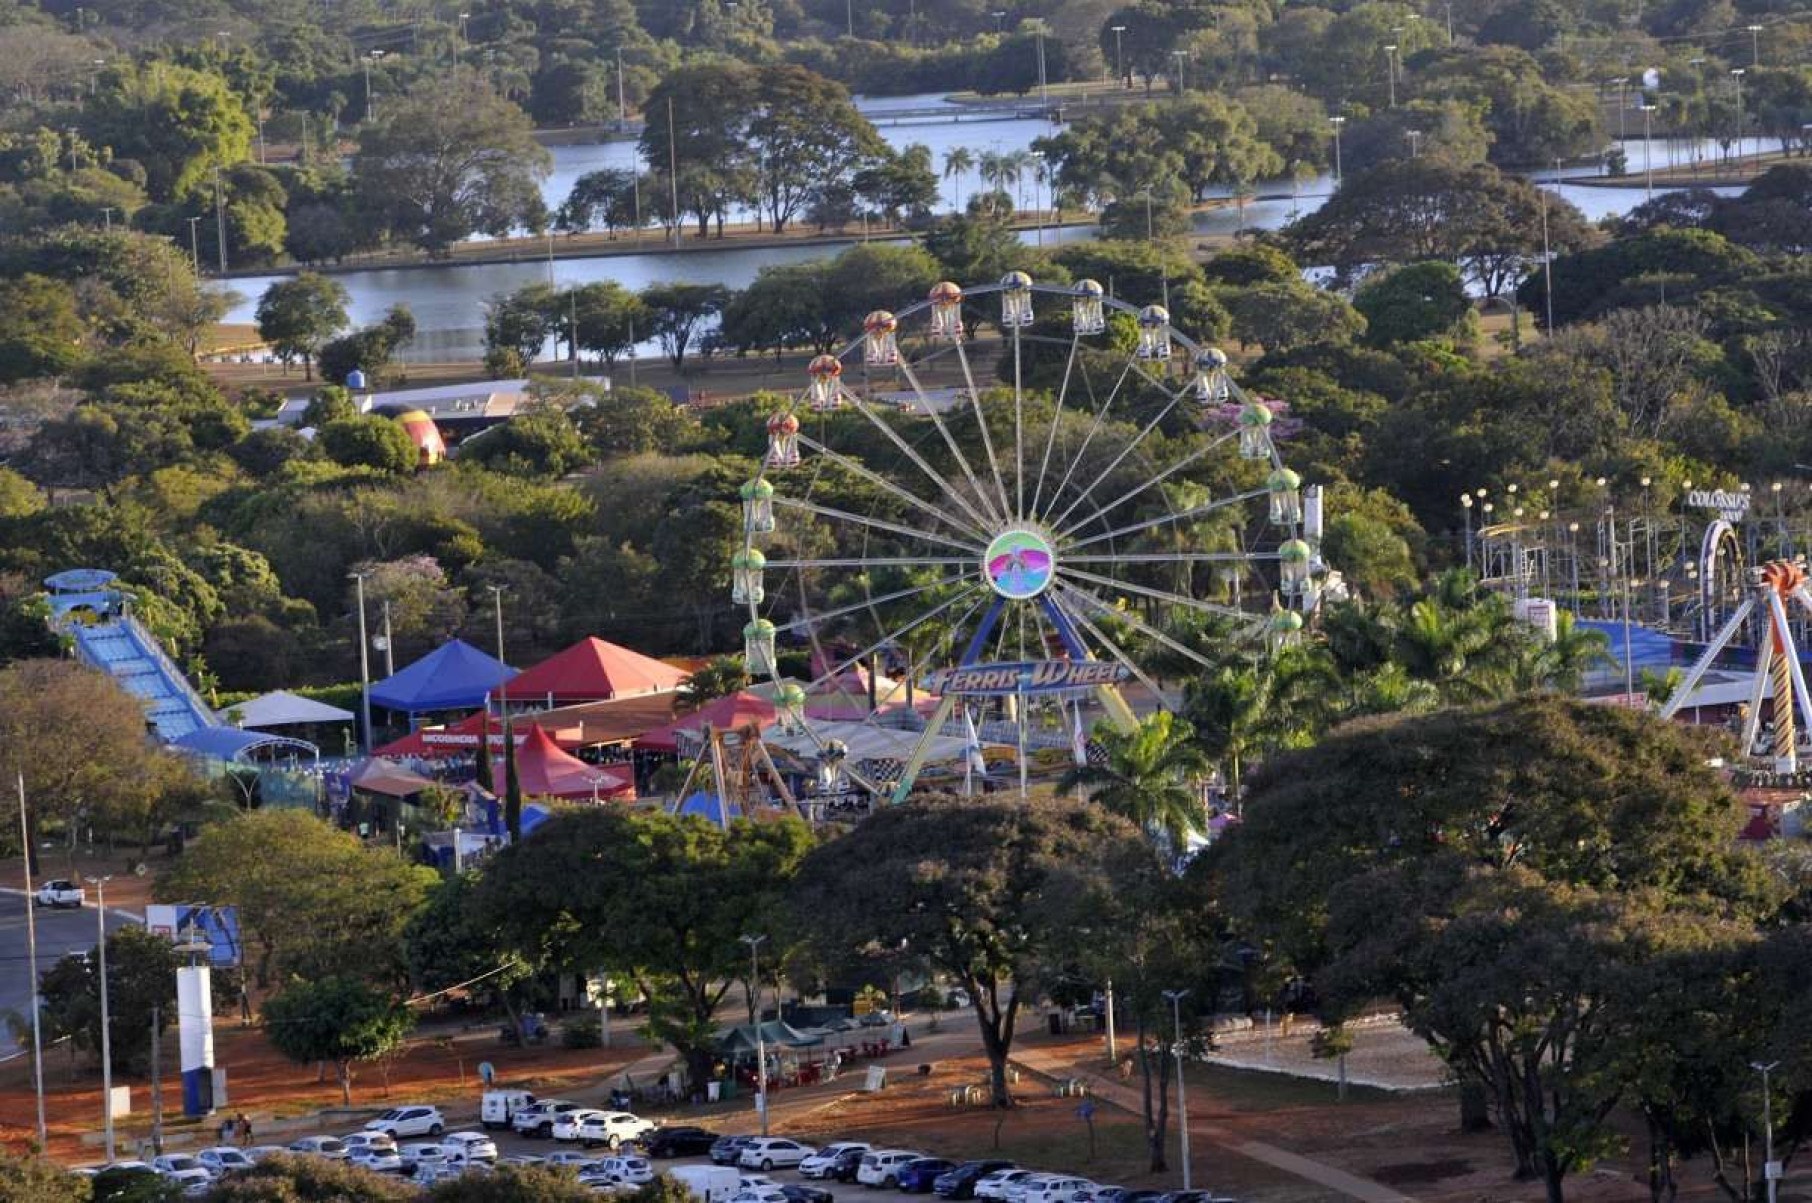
<point>958,162</point>
<point>1150,777</point>
<point>719,678</point>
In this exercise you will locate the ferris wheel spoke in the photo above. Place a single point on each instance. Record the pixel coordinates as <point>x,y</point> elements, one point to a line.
<point>1094,426</point>
<point>813,620</point>
<point>956,452</point>
<point>1169,557</point>
<point>1140,625</point>
<point>1175,599</point>
<point>1019,426</point>
<point>1193,457</point>
<point>981,422</point>
<point>944,486</point>
<point>876,562</point>
<point>1050,437</point>
<point>1121,458</point>
<point>1113,649</point>
<point>890,637</point>
<point>825,511</point>
<point>879,481</point>
<point>1192,512</point>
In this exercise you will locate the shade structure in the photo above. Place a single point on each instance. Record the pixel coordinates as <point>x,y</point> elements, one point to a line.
<point>732,713</point>
<point>461,738</point>
<point>454,676</point>
<point>592,671</point>
<point>230,743</point>
<point>544,771</point>
<point>774,1034</point>
<point>376,776</point>
<point>845,696</point>
<point>865,742</point>
<point>283,709</point>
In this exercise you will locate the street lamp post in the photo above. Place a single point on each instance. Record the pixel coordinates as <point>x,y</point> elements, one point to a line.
<point>1182,85</point>
<point>1755,45</point>
<point>1770,1171</point>
<point>370,106</point>
<point>622,101</point>
<point>1622,108</point>
<point>1175,998</point>
<point>1466,509</point>
<point>1336,122</point>
<point>761,1049</point>
<point>194,246</point>
<point>1415,142</point>
<point>1648,170</point>
<point>100,924</point>
<point>31,960</point>
<point>364,666</point>
<point>1736,73</point>
<point>1119,59</point>
<point>1390,60</point>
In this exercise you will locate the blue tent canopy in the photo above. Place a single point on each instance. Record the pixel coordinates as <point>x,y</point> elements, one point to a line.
<point>708,806</point>
<point>1652,650</point>
<point>233,743</point>
<point>454,676</point>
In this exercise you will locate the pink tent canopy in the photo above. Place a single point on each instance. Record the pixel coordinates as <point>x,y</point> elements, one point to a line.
<point>590,671</point>
<point>724,714</point>
<point>547,772</point>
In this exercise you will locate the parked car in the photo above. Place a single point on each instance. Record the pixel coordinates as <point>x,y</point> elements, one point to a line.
<point>523,1159</point>
<point>960,1182</point>
<point>797,1192</point>
<point>847,1165</point>
<point>468,1147</point>
<point>354,1141</point>
<point>498,1107</point>
<point>917,1177</point>
<point>566,1127</point>
<point>1054,1188</point>
<point>1194,1196</point>
<point>224,1159</point>
<point>756,1180</point>
<point>881,1167</point>
<point>759,1194</point>
<point>630,1171</point>
<point>767,1152</point>
<point>728,1149</point>
<point>330,1147</point>
<point>258,1153</point>
<point>994,1186</point>
<point>60,893</point>
<point>182,1168</point>
<point>614,1128</point>
<point>538,1119</point>
<point>819,1164</point>
<point>679,1142</point>
<point>427,1156</point>
<point>571,1158</point>
<point>1100,1194</point>
<point>409,1121</point>
<point>377,1159</point>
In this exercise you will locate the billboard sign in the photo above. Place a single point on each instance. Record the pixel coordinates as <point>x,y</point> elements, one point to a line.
<point>191,923</point>
<point>1034,676</point>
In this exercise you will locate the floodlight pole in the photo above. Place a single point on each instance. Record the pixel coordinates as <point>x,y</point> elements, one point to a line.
<point>364,667</point>
<point>31,956</point>
<point>100,924</point>
<point>761,1048</point>
<point>1175,998</point>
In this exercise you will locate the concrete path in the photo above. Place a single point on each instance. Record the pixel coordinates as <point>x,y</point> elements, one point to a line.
<point>1052,1063</point>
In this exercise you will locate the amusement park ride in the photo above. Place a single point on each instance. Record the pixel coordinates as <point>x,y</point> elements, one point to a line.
<point>1015,542</point>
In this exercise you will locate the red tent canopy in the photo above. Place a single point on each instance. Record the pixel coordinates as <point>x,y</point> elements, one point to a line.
<point>725,714</point>
<point>457,738</point>
<point>591,671</point>
<point>546,772</point>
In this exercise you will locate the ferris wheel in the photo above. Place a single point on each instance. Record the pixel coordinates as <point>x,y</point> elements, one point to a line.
<point>952,523</point>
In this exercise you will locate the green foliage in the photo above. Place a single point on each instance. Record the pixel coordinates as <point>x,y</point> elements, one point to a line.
<point>294,1178</point>
<point>368,441</point>
<point>31,1178</point>
<point>518,1184</point>
<point>44,332</point>
<point>337,1019</point>
<point>1151,778</point>
<point>298,315</point>
<point>1415,302</point>
<point>141,978</point>
<point>177,122</point>
<point>542,442</point>
<point>1280,317</point>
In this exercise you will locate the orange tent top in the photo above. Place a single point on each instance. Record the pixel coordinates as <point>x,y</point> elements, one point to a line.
<point>544,771</point>
<point>590,671</point>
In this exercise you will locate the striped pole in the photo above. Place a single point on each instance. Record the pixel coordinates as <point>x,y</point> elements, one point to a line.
<point>1786,741</point>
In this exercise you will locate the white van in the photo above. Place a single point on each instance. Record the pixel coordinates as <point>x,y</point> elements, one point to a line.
<point>501,1106</point>
<point>707,1183</point>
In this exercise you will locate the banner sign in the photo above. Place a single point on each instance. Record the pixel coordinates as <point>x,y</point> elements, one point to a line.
<point>215,926</point>
<point>1730,506</point>
<point>1033,676</point>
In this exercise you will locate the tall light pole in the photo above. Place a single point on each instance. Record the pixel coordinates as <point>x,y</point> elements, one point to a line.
<point>1448,5</point>
<point>100,924</point>
<point>1466,509</point>
<point>1044,88</point>
<point>1770,1171</point>
<point>220,220</point>
<point>849,17</point>
<point>761,1048</point>
<point>364,666</point>
<point>1182,86</point>
<point>31,960</point>
<point>622,96</point>
<point>503,678</point>
<point>370,106</point>
<point>1119,59</point>
<point>107,216</point>
<point>1547,259</point>
<point>1736,73</point>
<point>1755,45</point>
<point>1622,107</point>
<point>1336,122</point>
<point>1648,133</point>
<point>1390,62</point>
<point>1176,998</point>
<point>194,246</point>
<point>1415,142</point>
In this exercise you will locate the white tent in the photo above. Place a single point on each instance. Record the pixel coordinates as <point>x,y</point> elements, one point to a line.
<point>867,742</point>
<point>282,709</point>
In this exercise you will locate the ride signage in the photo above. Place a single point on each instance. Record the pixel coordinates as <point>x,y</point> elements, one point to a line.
<point>1032,676</point>
<point>1730,506</point>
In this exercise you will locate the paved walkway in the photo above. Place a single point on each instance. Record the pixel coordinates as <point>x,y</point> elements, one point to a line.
<point>1055,1064</point>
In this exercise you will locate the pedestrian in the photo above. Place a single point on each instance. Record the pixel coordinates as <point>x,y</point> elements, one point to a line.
<point>226,1130</point>
<point>244,1126</point>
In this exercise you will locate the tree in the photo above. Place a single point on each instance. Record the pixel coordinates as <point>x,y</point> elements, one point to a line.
<point>337,1019</point>
<point>800,126</point>
<point>313,900</point>
<point>141,981</point>
<point>604,318</point>
<point>1415,302</point>
<point>36,1178</point>
<point>178,123</point>
<point>540,443</point>
<point>296,1177</point>
<point>1151,778</point>
<point>45,332</point>
<point>369,441</point>
<point>987,891</point>
<point>1495,870</point>
<point>959,161</point>
<point>722,677</point>
<point>560,895</point>
<point>676,310</point>
<point>448,159</point>
<point>368,350</point>
<point>527,1184</point>
<point>296,316</point>
<point>1279,317</point>
<point>521,322</point>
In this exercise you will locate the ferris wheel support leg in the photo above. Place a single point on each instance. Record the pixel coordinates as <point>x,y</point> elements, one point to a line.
<point>1764,656</point>
<point>1718,643</point>
<point>916,761</point>
<point>1118,712</point>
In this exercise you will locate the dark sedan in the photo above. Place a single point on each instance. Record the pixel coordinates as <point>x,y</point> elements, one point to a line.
<point>799,1193</point>
<point>679,1142</point>
<point>918,1177</point>
<point>848,1162</point>
<point>959,1183</point>
<point>726,1150</point>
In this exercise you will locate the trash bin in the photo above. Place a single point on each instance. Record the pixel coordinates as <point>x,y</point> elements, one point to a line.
<point>1056,1019</point>
<point>712,1090</point>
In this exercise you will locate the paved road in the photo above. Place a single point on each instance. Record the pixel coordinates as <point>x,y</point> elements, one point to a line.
<point>59,932</point>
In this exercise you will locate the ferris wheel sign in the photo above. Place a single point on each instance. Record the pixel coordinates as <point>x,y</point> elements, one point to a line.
<point>1731,507</point>
<point>1029,676</point>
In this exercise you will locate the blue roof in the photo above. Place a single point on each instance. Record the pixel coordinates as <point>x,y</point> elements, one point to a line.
<point>229,743</point>
<point>454,676</point>
<point>708,806</point>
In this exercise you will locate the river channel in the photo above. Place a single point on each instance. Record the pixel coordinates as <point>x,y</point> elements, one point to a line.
<point>448,300</point>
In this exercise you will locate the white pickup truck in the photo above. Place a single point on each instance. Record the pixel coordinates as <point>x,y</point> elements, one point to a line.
<point>61,894</point>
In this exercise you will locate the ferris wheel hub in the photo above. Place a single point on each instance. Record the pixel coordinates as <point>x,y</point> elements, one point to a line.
<point>1020,563</point>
